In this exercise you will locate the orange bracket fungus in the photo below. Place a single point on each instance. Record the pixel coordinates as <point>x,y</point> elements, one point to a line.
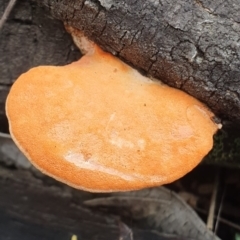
<point>99,125</point>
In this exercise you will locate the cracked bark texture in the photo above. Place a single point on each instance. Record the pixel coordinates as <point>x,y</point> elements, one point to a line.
<point>190,45</point>
<point>30,37</point>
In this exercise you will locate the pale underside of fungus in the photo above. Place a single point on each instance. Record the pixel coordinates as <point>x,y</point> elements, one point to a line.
<point>99,125</point>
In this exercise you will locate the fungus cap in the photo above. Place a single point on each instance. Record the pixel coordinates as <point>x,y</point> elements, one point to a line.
<point>99,125</point>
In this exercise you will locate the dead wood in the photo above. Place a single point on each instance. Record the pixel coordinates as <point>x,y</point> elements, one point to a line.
<point>191,45</point>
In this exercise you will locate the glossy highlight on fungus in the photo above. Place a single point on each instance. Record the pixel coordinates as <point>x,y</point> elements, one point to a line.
<point>99,125</point>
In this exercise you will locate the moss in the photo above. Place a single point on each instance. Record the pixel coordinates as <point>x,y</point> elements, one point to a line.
<point>226,149</point>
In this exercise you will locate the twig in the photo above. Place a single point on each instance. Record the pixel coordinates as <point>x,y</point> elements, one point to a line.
<point>5,135</point>
<point>7,12</point>
<point>222,220</point>
<point>220,210</point>
<point>210,219</point>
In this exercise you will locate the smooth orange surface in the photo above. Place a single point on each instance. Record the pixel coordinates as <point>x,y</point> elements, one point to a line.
<point>99,125</point>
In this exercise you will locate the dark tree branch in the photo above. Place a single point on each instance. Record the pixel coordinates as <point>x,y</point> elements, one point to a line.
<point>191,45</point>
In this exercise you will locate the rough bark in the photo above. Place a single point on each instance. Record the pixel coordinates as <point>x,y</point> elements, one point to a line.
<point>191,45</point>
